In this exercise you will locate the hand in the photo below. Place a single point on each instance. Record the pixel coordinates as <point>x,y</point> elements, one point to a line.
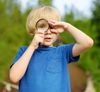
<point>38,38</point>
<point>60,26</point>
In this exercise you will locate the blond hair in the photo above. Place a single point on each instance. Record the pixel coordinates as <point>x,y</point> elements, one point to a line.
<point>45,12</point>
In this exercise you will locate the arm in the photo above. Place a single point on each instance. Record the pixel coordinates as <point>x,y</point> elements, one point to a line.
<point>18,70</point>
<point>83,41</point>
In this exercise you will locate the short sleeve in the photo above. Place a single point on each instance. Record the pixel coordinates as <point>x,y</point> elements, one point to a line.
<point>67,52</point>
<point>18,55</point>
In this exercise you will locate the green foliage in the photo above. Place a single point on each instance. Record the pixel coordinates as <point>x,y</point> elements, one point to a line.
<point>12,35</point>
<point>45,2</point>
<point>95,21</point>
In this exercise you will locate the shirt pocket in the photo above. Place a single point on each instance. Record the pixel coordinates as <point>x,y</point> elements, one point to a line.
<point>54,65</point>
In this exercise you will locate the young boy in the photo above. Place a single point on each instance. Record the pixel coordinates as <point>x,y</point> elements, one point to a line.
<point>40,67</point>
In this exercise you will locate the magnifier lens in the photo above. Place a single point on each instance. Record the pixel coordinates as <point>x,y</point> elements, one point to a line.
<point>42,25</point>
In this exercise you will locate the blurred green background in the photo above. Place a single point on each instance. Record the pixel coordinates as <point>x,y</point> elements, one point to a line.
<point>13,34</point>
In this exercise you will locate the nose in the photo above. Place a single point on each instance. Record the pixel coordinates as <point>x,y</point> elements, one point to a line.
<point>48,31</point>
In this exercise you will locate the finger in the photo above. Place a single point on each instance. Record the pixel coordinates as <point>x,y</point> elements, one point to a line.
<point>52,21</point>
<point>41,39</point>
<point>54,31</point>
<point>41,35</point>
<point>54,24</point>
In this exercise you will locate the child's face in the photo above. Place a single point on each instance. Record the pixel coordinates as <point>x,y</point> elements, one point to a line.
<point>50,37</point>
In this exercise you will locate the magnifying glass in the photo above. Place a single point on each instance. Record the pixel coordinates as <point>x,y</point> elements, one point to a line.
<point>42,25</point>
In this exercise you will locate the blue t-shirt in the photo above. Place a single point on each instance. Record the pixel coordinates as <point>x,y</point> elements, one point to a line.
<point>47,70</point>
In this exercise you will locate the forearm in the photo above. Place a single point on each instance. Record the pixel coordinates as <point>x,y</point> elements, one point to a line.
<point>80,37</point>
<point>19,68</point>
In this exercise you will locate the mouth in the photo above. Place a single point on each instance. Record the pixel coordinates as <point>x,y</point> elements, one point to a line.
<point>47,39</point>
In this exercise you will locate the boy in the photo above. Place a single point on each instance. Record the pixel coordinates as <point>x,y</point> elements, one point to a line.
<point>40,67</point>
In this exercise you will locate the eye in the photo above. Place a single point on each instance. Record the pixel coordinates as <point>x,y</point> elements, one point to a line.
<point>51,27</point>
<point>41,25</point>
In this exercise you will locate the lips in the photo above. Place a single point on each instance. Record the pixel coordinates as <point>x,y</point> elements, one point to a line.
<point>47,39</point>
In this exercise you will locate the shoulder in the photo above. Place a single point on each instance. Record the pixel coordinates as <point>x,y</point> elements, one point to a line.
<point>66,46</point>
<point>22,48</point>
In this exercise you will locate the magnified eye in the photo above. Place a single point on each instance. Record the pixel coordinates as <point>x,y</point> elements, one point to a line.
<point>42,25</point>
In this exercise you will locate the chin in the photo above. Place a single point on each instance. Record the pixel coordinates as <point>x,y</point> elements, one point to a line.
<point>47,44</point>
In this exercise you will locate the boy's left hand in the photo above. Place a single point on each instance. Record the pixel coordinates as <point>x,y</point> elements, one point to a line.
<point>58,25</point>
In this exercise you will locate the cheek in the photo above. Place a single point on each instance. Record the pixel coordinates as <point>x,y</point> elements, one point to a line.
<point>55,37</point>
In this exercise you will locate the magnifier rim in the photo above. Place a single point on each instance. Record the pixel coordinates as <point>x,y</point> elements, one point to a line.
<point>40,20</point>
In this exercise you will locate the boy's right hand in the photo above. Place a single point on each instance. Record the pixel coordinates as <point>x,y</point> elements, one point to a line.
<point>38,39</point>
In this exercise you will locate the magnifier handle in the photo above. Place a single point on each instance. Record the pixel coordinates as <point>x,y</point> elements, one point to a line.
<point>39,44</point>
